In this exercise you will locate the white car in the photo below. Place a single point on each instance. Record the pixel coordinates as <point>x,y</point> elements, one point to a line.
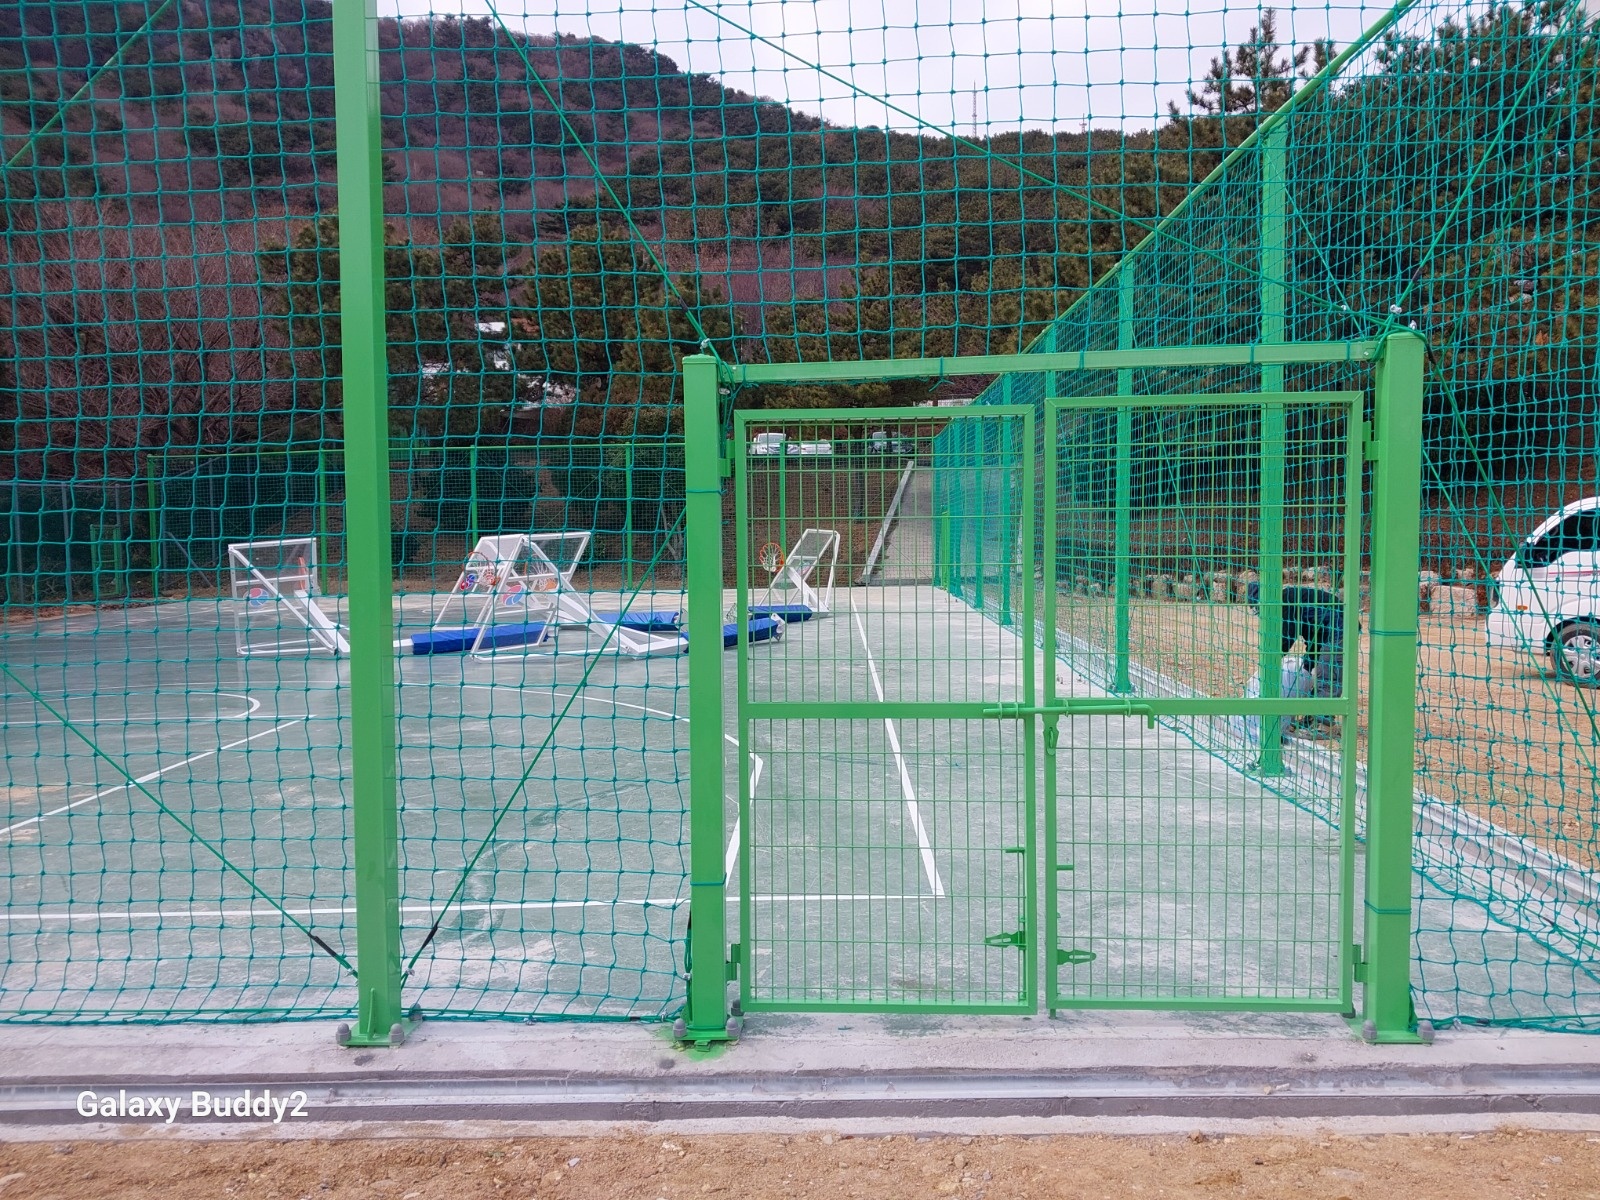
<point>764,444</point>
<point>1548,599</point>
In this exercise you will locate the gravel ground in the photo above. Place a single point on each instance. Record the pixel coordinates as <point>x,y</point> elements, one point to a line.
<point>1487,1166</point>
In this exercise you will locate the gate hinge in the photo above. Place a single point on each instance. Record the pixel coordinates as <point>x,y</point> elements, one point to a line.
<point>1017,938</point>
<point>732,965</point>
<point>1371,446</point>
<point>1074,958</point>
<point>1358,964</point>
<point>725,467</point>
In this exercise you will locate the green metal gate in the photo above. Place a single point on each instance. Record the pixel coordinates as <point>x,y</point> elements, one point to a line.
<point>886,822</point>
<point>1205,794</point>
<point>1199,785</point>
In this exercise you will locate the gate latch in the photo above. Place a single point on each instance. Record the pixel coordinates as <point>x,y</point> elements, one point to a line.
<point>1017,938</point>
<point>1076,706</point>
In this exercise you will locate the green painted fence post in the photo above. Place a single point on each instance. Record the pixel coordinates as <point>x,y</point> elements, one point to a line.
<point>1122,546</point>
<point>627,512</point>
<point>380,1019</point>
<point>472,493</point>
<point>1396,451</point>
<point>322,517</point>
<point>936,508</point>
<point>706,1018</point>
<point>1274,431</point>
<point>152,526</point>
<point>1009,462</point>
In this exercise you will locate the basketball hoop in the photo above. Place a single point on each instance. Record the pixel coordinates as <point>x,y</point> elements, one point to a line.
<point>771,558</point>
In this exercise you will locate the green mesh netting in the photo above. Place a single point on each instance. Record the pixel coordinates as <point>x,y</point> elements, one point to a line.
<point>574,200</point>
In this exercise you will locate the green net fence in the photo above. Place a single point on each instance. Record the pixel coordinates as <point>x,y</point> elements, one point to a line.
<point>574,199</point>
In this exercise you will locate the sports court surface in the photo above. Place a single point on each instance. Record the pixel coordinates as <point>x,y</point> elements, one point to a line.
<point>879,854</point>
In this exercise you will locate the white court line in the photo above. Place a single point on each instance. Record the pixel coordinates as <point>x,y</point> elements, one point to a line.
<point>122,787</point>
<point>905,775</point>
<point>100,917</point>
<point>733,841</point>
<point>756,761</point>
<point>252,703</point>
<point>330,911</point>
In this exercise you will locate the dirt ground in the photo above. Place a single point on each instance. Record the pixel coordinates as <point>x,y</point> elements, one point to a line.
<point>1497,733</point>
<point>1503,1165</point>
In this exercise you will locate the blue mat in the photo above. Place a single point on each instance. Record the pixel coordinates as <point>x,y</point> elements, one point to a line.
<point>644,622</point>
<point>788,612</point>
<point>762,629</point>
<point>459,641</point>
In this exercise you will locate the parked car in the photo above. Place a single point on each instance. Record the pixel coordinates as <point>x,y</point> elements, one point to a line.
<point>879,442</point>
<point>1548,594</point>
<point>779,443</point>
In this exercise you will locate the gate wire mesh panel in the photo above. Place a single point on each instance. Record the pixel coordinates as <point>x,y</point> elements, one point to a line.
<point>1186,882</point>
<point>544,766</point>
<point>1191,869</point>
<point>886,848</point>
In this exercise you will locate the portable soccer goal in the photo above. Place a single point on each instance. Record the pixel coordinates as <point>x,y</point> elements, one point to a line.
<point>274,587</point>
<point>515,591</point>
<point>802,585</point>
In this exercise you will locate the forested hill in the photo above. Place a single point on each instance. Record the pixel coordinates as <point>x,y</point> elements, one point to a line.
<point>223,111</point>
<point>229,103</point>
<point>169,234</point>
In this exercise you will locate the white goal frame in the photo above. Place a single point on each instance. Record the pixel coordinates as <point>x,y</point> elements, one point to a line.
<point>514,573</point>
<point>801,580</point>
<point>280,574</point>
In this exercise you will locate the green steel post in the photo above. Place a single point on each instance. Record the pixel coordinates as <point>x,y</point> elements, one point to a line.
<point>322,517</point>
<point>1123,536</point>
<point>96,554</point>
<point>1273,434</point>
<point>1009,460</point>
<point>783,496</point>
<point>374,821</point>
<point>472,494</point>
<point>1397,503</point>
<point>936,492</point>
<point>627,514</point>
<point>706,1018</point>
<point>976,475</point>
<point>153,527</point>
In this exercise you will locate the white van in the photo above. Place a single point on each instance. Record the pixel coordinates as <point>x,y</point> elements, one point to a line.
<point>1548,598</point>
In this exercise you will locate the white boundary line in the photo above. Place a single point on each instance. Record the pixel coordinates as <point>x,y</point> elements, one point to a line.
<point>906,789</point>
<point>253,910</point>
<point>104,916</point>
<point>122,787</point>
<point>757,763</point>
<point>252,706</point>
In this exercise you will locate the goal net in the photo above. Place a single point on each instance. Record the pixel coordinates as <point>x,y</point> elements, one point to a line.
<point>274,587</point>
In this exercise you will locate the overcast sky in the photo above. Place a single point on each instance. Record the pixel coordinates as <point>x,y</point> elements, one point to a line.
<point>1034,63</point>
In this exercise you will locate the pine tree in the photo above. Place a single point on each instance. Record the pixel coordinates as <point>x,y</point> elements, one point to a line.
<point>1259,78</point>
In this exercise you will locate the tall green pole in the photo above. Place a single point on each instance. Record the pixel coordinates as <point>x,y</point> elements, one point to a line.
<point>472,494</point>
<point>1122,545</point>
<point>1273,434</point>
<point>1010,462</point>
<point>1396,451</point>
<point>153,526</point>
<point>380,1019</point>
<point>627,513</point>
<point>706,1018</point>
<point>322,517</point>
